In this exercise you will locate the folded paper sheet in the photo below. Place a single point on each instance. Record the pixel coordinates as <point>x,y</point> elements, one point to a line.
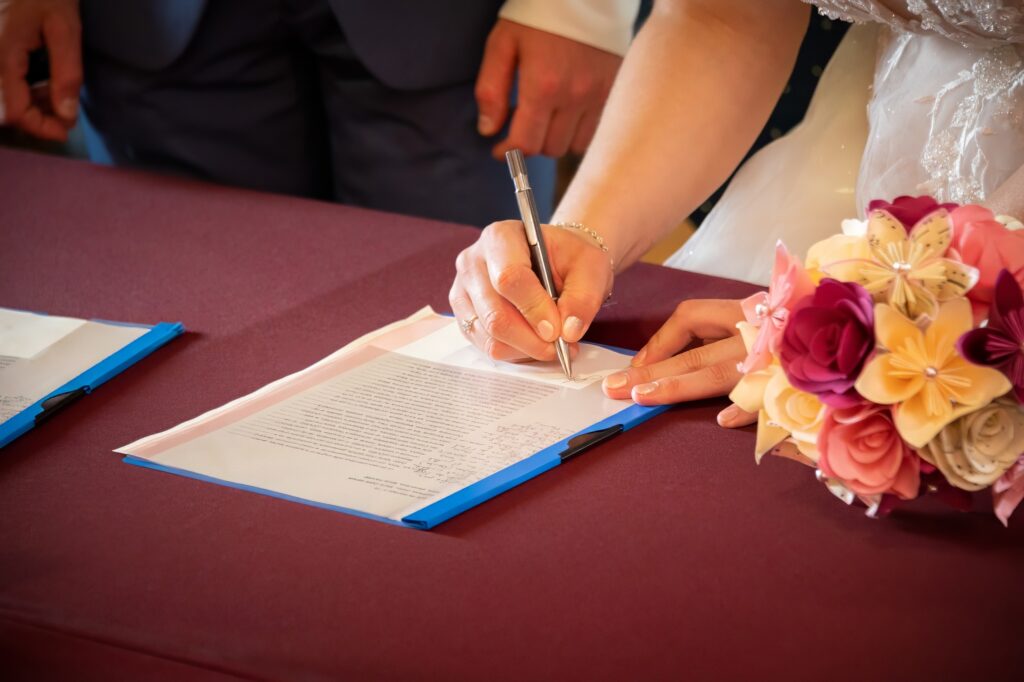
<point>391,424</point>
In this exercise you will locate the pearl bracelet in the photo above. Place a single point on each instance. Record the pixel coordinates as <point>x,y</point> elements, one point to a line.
<point>597,239</point>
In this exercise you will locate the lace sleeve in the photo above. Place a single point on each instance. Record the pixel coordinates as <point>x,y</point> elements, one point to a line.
<point>973,23</point>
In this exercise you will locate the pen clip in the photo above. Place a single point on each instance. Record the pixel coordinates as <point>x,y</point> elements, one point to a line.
<point>56,403</point>
<point>585,441</point>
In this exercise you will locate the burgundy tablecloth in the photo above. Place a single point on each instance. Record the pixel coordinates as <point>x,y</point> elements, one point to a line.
<point>665,553</point>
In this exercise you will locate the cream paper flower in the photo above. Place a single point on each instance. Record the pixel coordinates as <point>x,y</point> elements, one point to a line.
<point>785,415</point>
<point>908,271</point>
<point>923,375</point>
<point>979,447</point>
<point>798,413</point>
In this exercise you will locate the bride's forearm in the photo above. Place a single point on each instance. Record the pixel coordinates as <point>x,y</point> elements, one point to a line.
<point>694,90</point>
<point>1008,198</point>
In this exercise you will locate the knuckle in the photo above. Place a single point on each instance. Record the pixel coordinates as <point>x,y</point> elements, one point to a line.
<point>492,348</point>
<point>487,94</point>
<point>549,84</point>
<point>719,375</point>
<point>455,297</point>
<point>683,308</point>
<point>462,261</point>
<point>511,279</point>
<point>496,323</point>
<point>500,230</point>
<point>694,359</point>
<point>582,89</point>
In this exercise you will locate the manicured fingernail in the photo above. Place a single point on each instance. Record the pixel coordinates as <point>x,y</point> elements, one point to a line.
<point>485,125</point>
<point>546,330</point>
<point>638,359</point>
<point>68,108</point>
<point>617,380</point>
<point>727,417</point>
<point>572,330</point>
<point>646,389</point>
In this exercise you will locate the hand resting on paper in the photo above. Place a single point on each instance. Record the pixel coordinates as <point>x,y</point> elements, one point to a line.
<point>513,317</point>
<point>661,374</point>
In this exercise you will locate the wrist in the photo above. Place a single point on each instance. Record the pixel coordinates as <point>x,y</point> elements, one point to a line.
<point>588,234</point>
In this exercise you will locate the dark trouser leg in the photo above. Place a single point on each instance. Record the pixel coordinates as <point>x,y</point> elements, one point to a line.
<point>240,106</point>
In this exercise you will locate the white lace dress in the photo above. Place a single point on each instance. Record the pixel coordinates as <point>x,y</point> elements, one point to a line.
<point>942,83</point>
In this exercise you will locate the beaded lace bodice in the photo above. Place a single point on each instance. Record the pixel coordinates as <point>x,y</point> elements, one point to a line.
<point>973,24</point>
<point>947,107</point>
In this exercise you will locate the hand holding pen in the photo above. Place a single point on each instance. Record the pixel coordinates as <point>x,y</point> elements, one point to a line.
<point>512,317</point>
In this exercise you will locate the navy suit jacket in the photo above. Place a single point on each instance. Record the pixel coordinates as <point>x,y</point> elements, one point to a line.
<point>406,44</point>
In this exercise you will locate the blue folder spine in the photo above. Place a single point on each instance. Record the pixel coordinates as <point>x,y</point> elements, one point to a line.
<point>506,479</point>
<point>93,377</point>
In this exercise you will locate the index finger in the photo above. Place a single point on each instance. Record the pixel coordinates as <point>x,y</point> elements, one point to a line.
<point>15,91</point>
<point>528,130</point>
<point>705,319</point>
<point>508,268</point>
<point>63,44</point>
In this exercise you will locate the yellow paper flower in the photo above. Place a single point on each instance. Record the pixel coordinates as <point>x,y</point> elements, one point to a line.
<point>841,255</point>
<point>910,272</point>
<point>783,411</point>
<point>921,373</point>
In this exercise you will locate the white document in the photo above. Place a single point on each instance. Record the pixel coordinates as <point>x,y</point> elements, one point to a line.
<point>387,425</point>
<point>25,381</point>
<point>448,346</point>
<point>24,335</point>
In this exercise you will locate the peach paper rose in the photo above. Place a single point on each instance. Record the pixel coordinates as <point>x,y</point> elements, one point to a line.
<point>987,244</point>
<point>860,447</point>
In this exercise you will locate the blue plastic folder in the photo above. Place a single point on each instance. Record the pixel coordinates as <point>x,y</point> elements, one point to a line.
<point>524,470</point>
<point>90,379</point>
<point>485,489</point>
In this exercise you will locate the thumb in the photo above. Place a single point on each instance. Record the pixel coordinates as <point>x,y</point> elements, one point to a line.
<point>63,44</point>
<point>494,83</point>
<point>585,288</point>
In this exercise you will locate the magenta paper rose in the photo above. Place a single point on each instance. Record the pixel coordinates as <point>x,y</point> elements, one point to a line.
<point>860,447</point>
<point>983,242</point>
<point>1000,344</point>
<point>827,340</point>
<point>908,210</point>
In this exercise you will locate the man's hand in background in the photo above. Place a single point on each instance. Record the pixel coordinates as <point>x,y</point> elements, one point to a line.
<point>48,111</point>
<point>562,84</point>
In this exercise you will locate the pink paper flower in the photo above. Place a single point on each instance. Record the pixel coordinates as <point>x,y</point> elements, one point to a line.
<point>983,242</point>
<point>1008,491</point>
<point>860,447</point>
<point>769,311</point>
<point>827,341</point>
<point>909,210</point>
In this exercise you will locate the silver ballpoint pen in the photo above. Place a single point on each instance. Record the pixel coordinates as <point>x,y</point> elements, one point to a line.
<point>538,251</point>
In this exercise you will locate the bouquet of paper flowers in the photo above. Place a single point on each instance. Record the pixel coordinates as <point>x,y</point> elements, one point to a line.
<point>892,360</point>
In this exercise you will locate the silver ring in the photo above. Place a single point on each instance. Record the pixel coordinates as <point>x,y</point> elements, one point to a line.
<point>467,325</point>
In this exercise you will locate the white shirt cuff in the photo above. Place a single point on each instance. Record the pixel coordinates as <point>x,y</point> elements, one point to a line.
<point>604,24</point>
